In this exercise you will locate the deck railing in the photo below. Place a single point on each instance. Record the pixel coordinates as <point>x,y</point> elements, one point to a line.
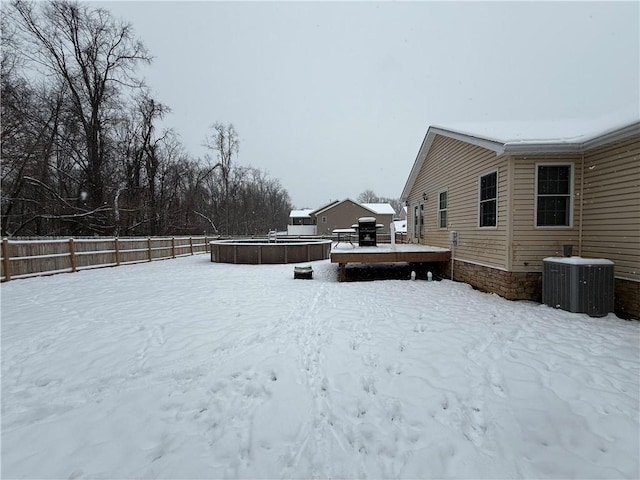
<point>23,258</point>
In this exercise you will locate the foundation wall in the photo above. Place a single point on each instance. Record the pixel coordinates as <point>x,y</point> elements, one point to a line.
<point>528,285</point>
<point>627,298</point>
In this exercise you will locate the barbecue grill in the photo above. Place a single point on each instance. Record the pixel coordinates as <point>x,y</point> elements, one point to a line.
<point>367,232</point>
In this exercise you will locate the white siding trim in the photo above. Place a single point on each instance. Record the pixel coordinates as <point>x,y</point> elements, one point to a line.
<point>455,259</point>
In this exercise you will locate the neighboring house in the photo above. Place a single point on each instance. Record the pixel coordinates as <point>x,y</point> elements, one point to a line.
<point>345,213</point>
<point>402,215</point>
<point>301,222</point>
<point>514,201</point>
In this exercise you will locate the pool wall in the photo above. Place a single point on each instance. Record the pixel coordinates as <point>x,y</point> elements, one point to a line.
<point>258,252</point>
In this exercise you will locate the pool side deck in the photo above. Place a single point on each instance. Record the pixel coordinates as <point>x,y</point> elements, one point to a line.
<point>344,253</point>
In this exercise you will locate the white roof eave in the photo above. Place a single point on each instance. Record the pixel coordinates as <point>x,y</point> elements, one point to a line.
<point>577,145</point>
<point>541,148</point>
<point>489,144</point>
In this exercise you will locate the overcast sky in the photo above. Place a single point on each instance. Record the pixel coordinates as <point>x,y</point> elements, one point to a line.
<point>335,98</point>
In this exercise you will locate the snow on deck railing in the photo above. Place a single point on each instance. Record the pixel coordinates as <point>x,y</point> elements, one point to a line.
<point>28,258</point>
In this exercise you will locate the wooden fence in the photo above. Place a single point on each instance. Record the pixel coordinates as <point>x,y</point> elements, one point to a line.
<point>28,258</point>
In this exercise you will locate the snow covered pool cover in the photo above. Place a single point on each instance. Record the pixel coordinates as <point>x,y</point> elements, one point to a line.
<point>186,369</point>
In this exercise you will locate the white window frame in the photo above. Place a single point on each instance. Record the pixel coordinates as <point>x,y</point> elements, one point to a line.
<point>569,195</point>
<point>445,210</point>
<point>480,201</point>
<point>323,219</point>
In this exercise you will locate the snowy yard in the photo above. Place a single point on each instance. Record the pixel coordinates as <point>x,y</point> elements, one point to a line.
<point>188,369</point>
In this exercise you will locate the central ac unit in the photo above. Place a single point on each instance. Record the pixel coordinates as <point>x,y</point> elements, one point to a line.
<point>579,285</point>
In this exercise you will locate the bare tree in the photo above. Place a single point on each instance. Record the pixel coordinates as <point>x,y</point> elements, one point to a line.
<point>81,148</point>
<point>225,144</point>
<point>94,55</point>
<point>31,116</point>
<point>368,196</point>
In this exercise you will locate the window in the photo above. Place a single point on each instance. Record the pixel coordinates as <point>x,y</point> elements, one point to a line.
<point>442,209</point>
<point>489,200</point>
<point>324,219</point>
<point>553,192</point>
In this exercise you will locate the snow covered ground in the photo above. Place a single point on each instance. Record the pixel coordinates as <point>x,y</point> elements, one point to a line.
<point>189,369</point>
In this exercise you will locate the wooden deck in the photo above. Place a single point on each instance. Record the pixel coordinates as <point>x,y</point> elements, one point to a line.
<point>344,253</point>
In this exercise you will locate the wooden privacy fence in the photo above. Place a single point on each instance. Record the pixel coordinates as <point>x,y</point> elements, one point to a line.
<point>28,258</point>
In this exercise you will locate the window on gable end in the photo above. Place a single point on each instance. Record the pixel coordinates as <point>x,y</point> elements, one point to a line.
<point>442,209</point>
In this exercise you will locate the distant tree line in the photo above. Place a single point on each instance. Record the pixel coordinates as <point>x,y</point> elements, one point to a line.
<point>82,153</point>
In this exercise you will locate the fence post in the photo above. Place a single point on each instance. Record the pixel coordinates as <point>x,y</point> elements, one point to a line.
<point>173,247</point>
<point>191,244</point>
<point>6,262</point>
<point>117,252</point>
<point>206,244</point>
<point>149,247</point>
<point>72,254</point>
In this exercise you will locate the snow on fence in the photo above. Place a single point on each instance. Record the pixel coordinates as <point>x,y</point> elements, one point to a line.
<point>28,258</point>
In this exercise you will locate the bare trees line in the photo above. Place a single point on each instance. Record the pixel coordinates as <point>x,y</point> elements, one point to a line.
<point>82,152</point>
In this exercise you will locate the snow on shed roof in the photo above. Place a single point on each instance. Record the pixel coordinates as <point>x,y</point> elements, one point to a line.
<point>380,208</point>
<point>300,213</point>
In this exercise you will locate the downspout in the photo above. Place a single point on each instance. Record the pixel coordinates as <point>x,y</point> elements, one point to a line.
<point>581,208</point>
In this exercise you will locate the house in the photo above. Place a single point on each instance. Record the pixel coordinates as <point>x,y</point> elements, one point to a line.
<point>402,214</point>
<point>301,222</point>
<point>345,213</point>
<point>516,197</point>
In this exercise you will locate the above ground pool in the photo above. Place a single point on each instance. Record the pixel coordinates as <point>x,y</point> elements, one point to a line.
<point>263,251</point>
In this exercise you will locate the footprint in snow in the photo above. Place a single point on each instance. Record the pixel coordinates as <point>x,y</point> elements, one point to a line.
<point>394,369</point>
<point>368,385</point>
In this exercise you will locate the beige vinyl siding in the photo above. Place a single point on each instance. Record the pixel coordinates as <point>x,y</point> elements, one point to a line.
<point>531,244</point>
<point>611,207</point>
<point>456,167</point>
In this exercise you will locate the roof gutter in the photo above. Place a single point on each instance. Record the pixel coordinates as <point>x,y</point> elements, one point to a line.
<point>541,148</point>
<point>516,148</point>
<point>489,144</point>
<point>617,135</point>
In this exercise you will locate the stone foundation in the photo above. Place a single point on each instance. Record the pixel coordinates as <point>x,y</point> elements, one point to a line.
<point>510,285</point>
<point>627,299</point>
<point>528,286</point>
